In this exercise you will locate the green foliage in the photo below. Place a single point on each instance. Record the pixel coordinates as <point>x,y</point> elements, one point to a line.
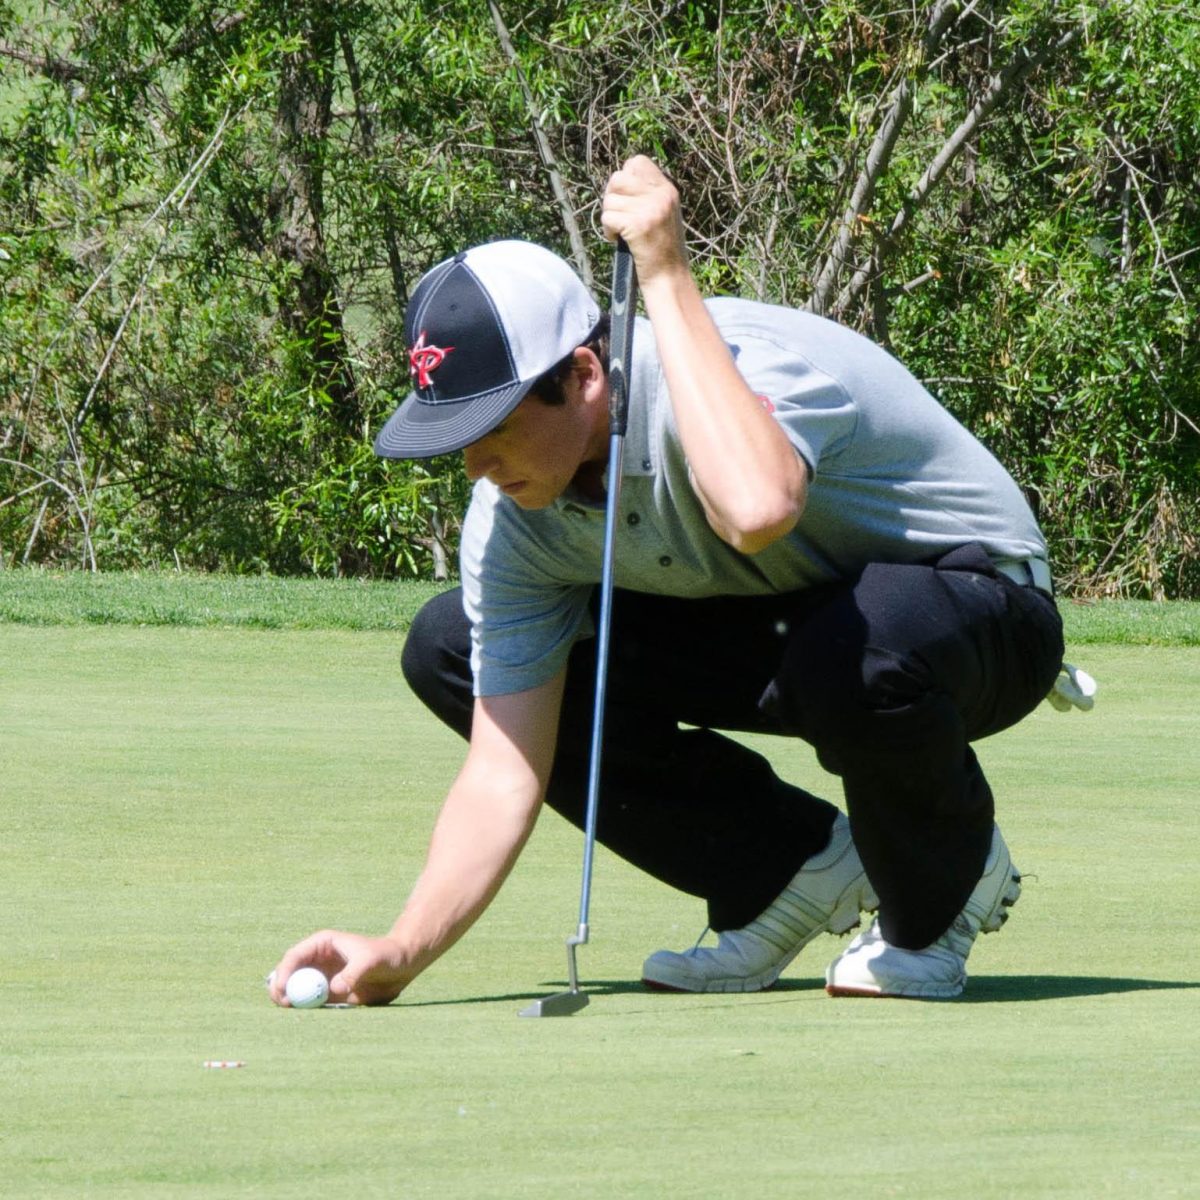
<point>1084,377</point>
<point>210,224</point>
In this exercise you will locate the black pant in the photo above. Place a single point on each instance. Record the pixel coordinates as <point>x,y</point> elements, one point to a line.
<point>889,677</point>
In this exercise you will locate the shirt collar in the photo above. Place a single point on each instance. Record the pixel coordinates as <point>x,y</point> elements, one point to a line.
<point>639,452</point>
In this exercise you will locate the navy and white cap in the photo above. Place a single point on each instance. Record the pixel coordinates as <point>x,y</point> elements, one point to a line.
<point>482,328</point>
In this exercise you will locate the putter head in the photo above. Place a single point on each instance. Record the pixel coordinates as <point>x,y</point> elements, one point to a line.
<point>563,1004</point>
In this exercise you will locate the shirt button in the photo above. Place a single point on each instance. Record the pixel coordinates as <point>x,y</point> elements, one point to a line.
<point>633,518</point>
<point>646,464</point>
<point>665,561</point>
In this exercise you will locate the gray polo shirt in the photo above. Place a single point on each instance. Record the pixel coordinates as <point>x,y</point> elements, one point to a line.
<point>892,478</point>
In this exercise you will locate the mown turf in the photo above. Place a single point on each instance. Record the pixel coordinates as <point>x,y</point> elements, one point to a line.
<point>38,597</point>
<point>180,804</point>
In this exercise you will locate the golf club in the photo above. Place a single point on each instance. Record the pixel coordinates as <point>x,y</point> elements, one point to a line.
<point>624,304</point>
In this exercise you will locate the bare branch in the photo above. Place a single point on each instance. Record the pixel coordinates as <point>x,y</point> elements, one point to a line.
<point>174,202</point>
<point>1001,84</point>
<point>49,481</point>
<point>366,128</point>
<point>33,487</point>
<point>1132,183</point>
<point>578,249</point>
<point>878,158</point>
<point>61,70</point>
<point>175,199</point>
<point>193,38</point>
<point>925,276</point>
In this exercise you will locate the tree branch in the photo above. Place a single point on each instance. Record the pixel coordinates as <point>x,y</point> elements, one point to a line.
<point>1133,186</point>
<point>50,481</point>
<point>174,201</point>
<point>366,128</point>
<point>878,158</point>
<point>192,39</point>
<point>61,70</point>
<point>578,249</point>
<point>1002,83</point>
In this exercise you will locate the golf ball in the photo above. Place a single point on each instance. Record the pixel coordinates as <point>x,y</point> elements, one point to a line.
<point>307,988</point>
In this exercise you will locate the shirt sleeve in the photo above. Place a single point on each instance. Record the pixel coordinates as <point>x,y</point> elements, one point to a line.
<point>523,622</point>
<point>814,409</point>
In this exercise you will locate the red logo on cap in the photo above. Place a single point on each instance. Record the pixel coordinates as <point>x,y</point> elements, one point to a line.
<point>422,359</point>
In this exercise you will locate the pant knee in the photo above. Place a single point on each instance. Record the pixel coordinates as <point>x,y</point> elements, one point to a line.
<point>436,660</point>
<point>426,643</point>
<point>857,703</point>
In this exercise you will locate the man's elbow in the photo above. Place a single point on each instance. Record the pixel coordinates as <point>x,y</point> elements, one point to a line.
<point>752,530</point>
<point>755,539</point>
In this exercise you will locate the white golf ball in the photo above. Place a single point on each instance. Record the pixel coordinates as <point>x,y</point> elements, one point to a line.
<point>307,988</point>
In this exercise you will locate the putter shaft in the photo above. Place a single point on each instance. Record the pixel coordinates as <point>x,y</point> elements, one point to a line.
<point>624,305</point>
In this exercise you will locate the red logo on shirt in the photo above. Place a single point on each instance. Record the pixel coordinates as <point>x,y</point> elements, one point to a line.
<point>422,359</point>
<point>765,401</point>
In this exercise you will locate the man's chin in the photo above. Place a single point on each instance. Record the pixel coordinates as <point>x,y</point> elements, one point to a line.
<point>531,501</point>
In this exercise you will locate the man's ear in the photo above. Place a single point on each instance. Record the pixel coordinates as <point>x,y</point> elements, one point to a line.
<point>587,369</point>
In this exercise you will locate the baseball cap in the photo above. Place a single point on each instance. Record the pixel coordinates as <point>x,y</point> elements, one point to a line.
<point>482,328</point>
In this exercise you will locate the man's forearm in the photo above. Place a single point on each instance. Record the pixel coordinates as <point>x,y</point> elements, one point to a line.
<point>745,471</point>
<point>486,819</point>
<point>477,839</point>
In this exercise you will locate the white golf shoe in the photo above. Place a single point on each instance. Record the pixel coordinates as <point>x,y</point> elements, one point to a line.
<point>869,966</point>
<point>826,895</point>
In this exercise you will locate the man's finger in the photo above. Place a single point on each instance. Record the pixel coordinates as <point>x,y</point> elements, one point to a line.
<point>318,951</point>
<point>341,987</point>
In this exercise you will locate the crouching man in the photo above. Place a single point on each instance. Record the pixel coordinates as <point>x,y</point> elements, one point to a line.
<point>809,546</point>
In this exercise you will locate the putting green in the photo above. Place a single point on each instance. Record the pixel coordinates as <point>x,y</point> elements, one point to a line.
<point>181,804</point>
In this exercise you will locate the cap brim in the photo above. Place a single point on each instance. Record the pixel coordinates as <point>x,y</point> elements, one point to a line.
<point>418,429</point>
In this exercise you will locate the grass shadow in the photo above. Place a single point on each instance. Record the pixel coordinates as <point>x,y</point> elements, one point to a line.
<point>596,988</point>
<point>987,989</point>
<point>593,987</point>
<point>1000,989</point>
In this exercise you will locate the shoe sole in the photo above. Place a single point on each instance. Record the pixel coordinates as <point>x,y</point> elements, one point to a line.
<point>846,993</point>
<point>993,922</point>
<point>845,917</point>
<point>927,992</point>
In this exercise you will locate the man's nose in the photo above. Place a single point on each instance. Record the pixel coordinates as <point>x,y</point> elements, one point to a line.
<point>477,461</point>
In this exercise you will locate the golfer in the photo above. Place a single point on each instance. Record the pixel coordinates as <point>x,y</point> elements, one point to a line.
<point>809,545</point>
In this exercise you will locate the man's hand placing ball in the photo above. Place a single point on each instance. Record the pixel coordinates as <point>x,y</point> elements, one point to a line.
<point>360,970</point>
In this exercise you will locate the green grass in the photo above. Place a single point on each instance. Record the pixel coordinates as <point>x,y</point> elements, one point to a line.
<point>182,803</point>
<point>38,597</point>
